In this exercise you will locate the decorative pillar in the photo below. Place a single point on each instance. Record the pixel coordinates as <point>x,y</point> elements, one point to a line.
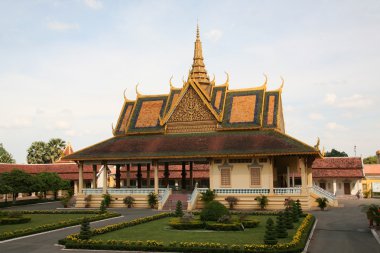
<point>191,176</point>
<point>287,177</point>
<point>128,175</point>
<point>303,175</point>
<point>166,174</point>
<point>183,174</point>
<point>117,176</point>
<point>139,175</point>
<point>94,180</point>
<point>80,180</point>
<point>156,177</point>
<point>148,175</point>
<point>75,187</point>
<point>270,176</point>
<point>105,172</point>
<point>334,186</point>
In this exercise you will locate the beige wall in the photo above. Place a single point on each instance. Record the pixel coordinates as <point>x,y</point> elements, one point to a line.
<point>240,175</point>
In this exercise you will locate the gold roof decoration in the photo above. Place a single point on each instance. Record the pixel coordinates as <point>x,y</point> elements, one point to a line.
<point>316,146</point>
<point>137,91</point>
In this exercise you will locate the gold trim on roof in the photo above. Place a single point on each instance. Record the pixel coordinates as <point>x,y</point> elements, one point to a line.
<point>137,92</point>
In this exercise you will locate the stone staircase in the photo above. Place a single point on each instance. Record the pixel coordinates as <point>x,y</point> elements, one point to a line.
<point>172,201</point>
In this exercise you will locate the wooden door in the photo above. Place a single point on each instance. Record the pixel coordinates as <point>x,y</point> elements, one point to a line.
<point>347,188</point>
<point>322,185</point>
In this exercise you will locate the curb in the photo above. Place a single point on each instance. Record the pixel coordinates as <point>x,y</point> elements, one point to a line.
<point>374,233</point>
<point>310,236</point>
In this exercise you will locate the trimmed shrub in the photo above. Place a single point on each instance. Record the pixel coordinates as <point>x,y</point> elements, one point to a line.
<point>225,219</point>
<point>270,233</point>
<point>178,209</point>
<point>129,201</point>
<point>152,199</point>
<point>177,223</point>
<point>213,211</point>
<point>288,219</point>
<point>15,214</point>
<point>103,207</point>
<point>295,214</point>
<point>280,226</point>
<point>235,226</point>
<point>107,199</point>
<point>19,220</point>
<point>262,201</point>
<point>250,223</point>
<point>232,201</point>
<point>85,230</point>
<point>299,207</point>
<point>208,196</point>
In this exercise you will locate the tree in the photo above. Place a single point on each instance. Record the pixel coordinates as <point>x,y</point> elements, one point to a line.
<point>41,153</point>
<point>5,156</point>
<point>4,187</point>
<point>336,153</point>
<point>178,209</point>
<point>370,160</point>
<point>18,182</point>
<point>280,228</point>
<point>270,233</point>
<point>48,181</point>
<point>85,230</point>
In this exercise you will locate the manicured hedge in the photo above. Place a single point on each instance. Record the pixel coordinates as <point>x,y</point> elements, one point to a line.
<point>250,223</point>
<point>295,246</point>
<point>52,226</point>
<point>176,223</point>
<point>8,221</point>
<point>25,202</point>
<point>234,226</point>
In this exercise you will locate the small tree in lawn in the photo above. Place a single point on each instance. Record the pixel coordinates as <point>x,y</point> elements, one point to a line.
<point>178,209</point>
<point>288,219</point>
<point>270,233</point>
<point>299,207</point>
<point>280,228</point>
<point>295,214</point>
<point>85,230</point>
<point>103,207</point>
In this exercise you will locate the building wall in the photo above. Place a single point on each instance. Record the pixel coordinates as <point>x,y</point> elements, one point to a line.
<point>355,185</point>
<point>367,183</point>
<point>240,175</point>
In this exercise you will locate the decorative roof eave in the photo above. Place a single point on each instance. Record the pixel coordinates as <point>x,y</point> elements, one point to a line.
<point>303,143</point>
<point>121,115</point>
<point>194,85</point>
<point>194,156</point>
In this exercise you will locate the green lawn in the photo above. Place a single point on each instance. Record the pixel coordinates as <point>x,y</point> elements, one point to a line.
<point>42,219</point>
<point>160,231</point>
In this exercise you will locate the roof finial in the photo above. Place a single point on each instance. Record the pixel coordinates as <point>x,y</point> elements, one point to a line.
<point>198,30</point>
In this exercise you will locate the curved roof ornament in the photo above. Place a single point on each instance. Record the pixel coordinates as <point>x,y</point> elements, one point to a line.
<point>183,80</point>
<point>125,96</point>
<point>228,78</point>
<point>170,82</point>
<point>266,81</point>
<point>137,92</point>
<point>213,80</point>
<point>113,129</point>
<point>316,146</point>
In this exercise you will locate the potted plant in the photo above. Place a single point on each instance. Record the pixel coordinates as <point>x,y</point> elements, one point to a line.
<point>129,201</point>
<point>107,199</point>
<point>232,201</point>
<point>262,201</point>
<point>373,213</point>
<point>152,199</point>
<point>208,196</point>
<point>322,203</point>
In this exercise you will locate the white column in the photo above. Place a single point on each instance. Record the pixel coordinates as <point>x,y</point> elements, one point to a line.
<point>80,183</point>
<point>105,171</point>
<point>156,178</point>
<point>334,186</point>
<point>60,193</point>
<point>94,186</point>
<point>75,187</point>
<point>33,194</point>
<point>270,176</point>
<point>303,175</point>
<point>293,179</point>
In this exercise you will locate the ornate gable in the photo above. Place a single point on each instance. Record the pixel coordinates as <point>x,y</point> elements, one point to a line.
<point>191,114</point>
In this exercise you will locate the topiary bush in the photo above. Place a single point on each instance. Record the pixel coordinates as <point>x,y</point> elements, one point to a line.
<point>322,203</point>
<point>213,211</point>
<point>280,226</point>
<point>288,219</point>
<point>129,201</point>
<point>299,207</point>
<point>208,196</point>
<point>107,199</point>
<point>262,201</point>
<point>152,199</point>
<point>178,209</point>
<point>103,207</point>
<point>270,233</point>
<point>295,214</point>
<point>85,230</point>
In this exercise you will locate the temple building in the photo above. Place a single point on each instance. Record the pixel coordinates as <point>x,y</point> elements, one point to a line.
<point>238,134</point>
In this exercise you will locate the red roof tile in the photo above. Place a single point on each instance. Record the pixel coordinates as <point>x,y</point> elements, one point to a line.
<point>337,163</point>
<point>337,173</point>
<point>371,169</point>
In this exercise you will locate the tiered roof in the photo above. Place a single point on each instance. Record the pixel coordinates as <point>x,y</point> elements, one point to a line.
<point>199,119</point>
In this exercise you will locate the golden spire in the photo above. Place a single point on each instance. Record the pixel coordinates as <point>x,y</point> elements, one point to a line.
<point>198,71</point>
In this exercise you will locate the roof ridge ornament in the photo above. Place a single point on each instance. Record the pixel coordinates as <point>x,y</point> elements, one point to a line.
<point>213,80</point>
<point>170,83</point>
<point>137,92</point>
<point>316,146</point>
<point>125,96</point>
<point>266,81</point>
<point>228,79</point>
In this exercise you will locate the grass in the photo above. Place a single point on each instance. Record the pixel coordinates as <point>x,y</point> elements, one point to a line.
<point>160,231</point>
<point>42,219</point>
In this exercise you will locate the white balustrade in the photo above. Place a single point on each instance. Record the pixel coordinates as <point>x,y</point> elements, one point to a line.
<point>241,191</point>
<point>124,191</point>
<point>284,191</point>
<point>323,193</point>
<point>90,191</point>
<point>163,197</point>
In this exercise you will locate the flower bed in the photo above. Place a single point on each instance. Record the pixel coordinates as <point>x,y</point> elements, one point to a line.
<point>296,245</point>
<point>58,224</point>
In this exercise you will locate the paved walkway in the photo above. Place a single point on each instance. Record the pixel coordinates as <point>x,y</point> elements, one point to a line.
<point>344,229</point>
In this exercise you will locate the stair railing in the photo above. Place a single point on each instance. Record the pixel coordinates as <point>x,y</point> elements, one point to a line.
<point>164,197</point>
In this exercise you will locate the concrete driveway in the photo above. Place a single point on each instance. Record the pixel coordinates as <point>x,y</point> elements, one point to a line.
<point>344,229</point>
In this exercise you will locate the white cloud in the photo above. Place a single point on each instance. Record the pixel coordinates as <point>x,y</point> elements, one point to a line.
<point>334,126</point>
<point>330,98</point>
<point>289,108</point>
<point>316,116</point>
<point>214,34</point>
<point>20,122</point>
<point>355,101</point>
<point>93,4</point>
<point>71,133</point>
<point>62,125</point>
<point>60,26</point>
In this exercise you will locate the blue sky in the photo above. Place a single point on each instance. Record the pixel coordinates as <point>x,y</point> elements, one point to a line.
<point>64,64</point>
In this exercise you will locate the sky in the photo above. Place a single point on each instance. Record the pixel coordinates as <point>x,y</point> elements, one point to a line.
<point>64,64</point>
